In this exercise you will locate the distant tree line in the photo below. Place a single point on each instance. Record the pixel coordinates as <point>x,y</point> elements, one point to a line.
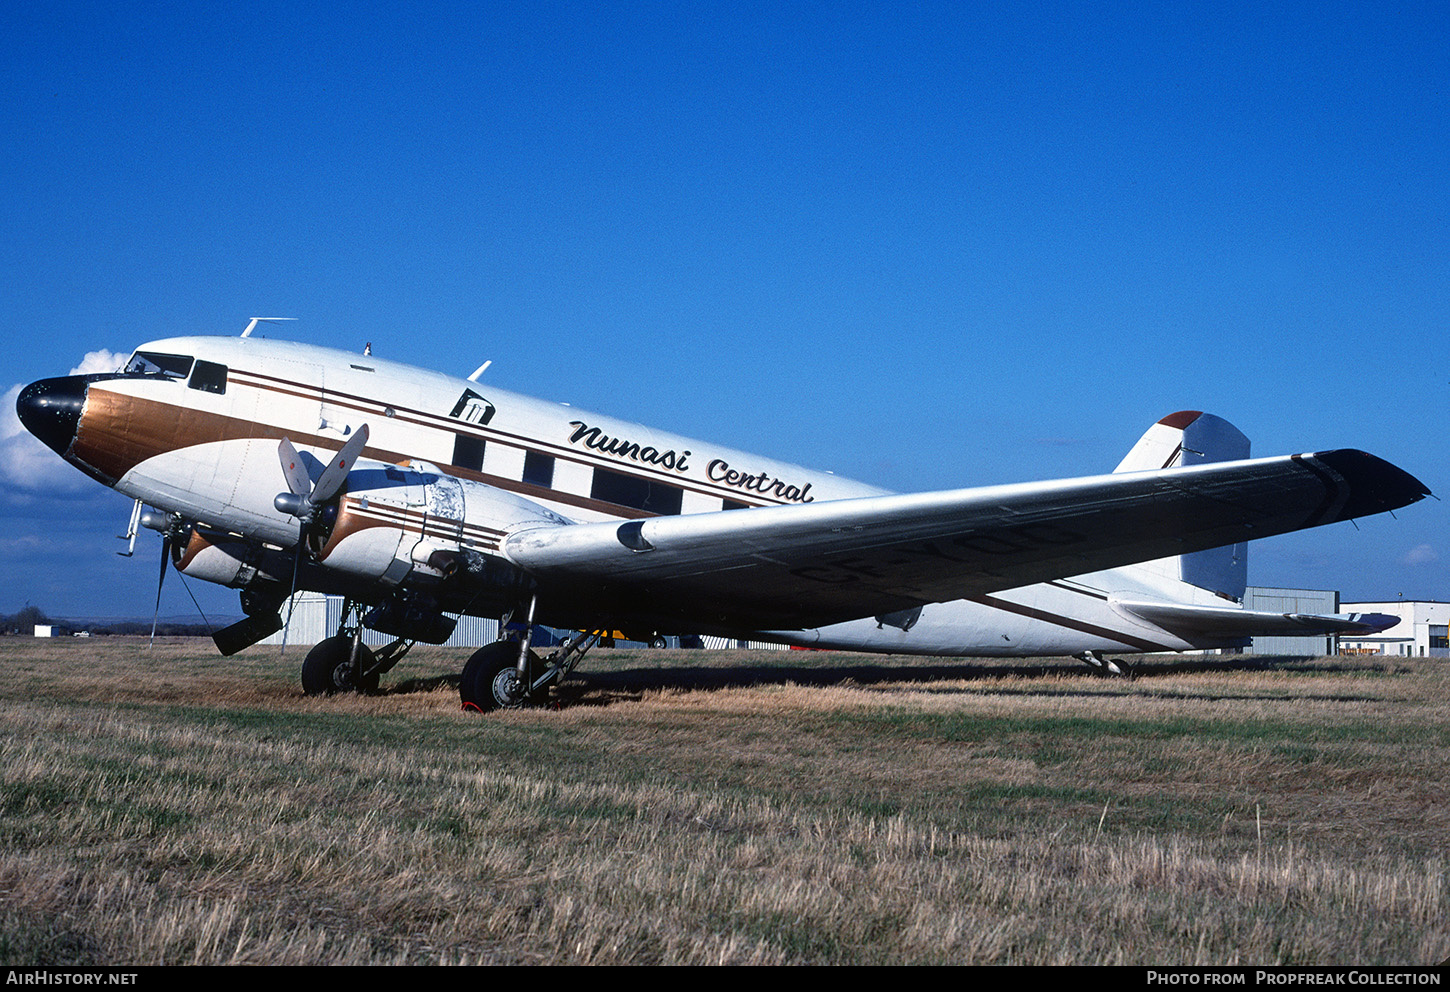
<point>25,621</point>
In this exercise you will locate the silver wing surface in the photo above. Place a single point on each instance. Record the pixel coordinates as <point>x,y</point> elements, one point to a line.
<point>787,567</point>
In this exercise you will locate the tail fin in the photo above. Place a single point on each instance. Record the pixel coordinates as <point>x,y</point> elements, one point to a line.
<point>1193,438</point>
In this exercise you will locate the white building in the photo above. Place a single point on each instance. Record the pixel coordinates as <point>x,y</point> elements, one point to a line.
<point>1423,630</point>
<point>314,617</point>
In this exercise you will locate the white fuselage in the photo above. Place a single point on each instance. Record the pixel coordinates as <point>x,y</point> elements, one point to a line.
<point>211,455</point>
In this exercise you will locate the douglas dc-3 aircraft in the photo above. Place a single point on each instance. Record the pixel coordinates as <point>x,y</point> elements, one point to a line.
<point>277,466</point>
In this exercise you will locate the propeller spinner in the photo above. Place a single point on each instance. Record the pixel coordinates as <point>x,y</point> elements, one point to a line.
<point>304,497</point>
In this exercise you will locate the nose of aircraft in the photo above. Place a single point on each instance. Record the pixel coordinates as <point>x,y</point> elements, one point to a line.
<point>51,409</point>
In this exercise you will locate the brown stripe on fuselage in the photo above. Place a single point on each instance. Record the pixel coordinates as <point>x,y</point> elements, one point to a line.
<point>1061,621</point>
<point>117,432</point>
<point>357,515</point>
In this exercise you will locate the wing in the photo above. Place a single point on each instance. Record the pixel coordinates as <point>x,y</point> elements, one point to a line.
<point>809,565</point>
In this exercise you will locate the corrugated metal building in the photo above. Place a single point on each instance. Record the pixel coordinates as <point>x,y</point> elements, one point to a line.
<point>315,617</point>
<point>1320,601</point>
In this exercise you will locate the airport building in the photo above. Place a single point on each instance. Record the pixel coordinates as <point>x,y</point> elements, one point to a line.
<point>314,616</point>
<point>1423,630</point>
<point>1314,601</point>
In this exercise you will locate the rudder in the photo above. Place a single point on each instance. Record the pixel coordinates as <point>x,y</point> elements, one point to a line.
<point>1186,438</point>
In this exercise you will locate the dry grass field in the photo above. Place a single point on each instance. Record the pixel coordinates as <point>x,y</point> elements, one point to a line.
<point>174,807</point>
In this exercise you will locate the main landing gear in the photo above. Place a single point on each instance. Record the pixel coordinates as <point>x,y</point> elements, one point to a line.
<point>1105,666</point>
<point>509,674</point>
<point>343,663</point>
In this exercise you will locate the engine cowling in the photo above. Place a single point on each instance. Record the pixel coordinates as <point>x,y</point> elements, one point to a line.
<point>227,559</point>
<point>393,524</point>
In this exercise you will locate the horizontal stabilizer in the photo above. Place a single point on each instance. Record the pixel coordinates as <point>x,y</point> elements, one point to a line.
<point>1228,621</point>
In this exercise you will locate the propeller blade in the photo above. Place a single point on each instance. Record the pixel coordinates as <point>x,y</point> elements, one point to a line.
<point>160,581</point>
<point>312,496</point>
<point>293,470</point>
<point>291,596</point>
<point>335,474</point>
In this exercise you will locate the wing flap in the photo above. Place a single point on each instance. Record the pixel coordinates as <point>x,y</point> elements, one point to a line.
<point>819,563</point>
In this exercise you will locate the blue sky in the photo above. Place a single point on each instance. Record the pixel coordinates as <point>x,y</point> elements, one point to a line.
<point>924,245</point>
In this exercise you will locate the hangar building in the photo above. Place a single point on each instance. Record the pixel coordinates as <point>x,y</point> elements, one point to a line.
<point>315,617</point>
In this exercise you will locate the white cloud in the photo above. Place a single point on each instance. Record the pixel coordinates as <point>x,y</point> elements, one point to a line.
<point>100,361</point>
<point>1420,554</point>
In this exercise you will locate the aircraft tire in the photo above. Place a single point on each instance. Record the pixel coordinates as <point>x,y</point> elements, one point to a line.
<point>327,669</point>
<point>1119,667</point>
<point>490,678</point>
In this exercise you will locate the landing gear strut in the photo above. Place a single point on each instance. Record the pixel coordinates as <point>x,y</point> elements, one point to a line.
<point>1105,666</point>
<point>343,663</point>
<point>508,675</point>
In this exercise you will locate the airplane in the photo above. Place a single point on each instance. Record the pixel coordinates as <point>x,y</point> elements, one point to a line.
<point>273,466</point>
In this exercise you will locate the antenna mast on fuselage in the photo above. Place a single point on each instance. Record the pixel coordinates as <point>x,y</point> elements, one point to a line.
<point>259,320</point>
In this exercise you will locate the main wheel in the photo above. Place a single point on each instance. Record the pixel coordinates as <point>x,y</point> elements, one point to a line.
<point>491,678</point>
<point>328,667</point>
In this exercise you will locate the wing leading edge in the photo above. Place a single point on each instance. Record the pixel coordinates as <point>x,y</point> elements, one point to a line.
<point>821,563</point>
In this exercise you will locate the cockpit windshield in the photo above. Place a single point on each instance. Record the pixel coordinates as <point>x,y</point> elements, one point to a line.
<point>155,363</point>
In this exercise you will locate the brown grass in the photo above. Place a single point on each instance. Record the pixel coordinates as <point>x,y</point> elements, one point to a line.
<point>171,807</point>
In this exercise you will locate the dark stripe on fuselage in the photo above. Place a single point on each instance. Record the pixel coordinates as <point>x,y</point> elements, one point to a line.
<point>1081,626</point>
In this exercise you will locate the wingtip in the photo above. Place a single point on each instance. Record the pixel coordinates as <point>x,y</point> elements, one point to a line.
<point>1375,485</point>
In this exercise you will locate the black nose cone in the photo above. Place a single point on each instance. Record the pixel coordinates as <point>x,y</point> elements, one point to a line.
<point>51,409</point>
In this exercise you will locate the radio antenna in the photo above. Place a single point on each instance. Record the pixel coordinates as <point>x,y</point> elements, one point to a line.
<point>259,320</point>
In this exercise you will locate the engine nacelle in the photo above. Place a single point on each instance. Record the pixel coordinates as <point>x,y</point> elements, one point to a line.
<point>393,524</point>
<point>228,560</point>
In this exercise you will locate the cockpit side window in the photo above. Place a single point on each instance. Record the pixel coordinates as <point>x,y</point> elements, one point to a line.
<point>209,377</point>
<point>155,363</point>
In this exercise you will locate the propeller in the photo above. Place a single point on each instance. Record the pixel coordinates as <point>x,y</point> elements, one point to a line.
<point>304,498</point>
<point>160,581</point>
<point>169,527</point>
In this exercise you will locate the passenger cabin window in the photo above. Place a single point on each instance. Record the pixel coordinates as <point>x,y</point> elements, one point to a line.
<point>539,469</point>
<point>468,451</point>
<point>642,494</point>
<point>155,363</point>
<point>209,377</point>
